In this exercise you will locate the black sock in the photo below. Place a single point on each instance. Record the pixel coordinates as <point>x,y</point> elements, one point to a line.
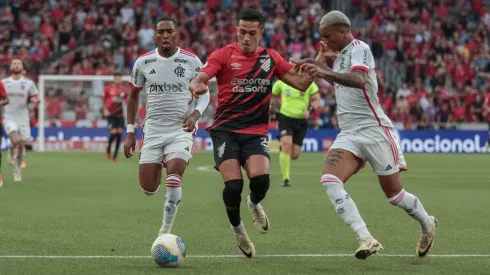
<point>118,143</point>
<point>232,196</point>
<point>259,186</point>
<point>111,139</point>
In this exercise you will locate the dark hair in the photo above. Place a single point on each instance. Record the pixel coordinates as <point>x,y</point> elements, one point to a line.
<point>117,75</point>
<point>251,15</point>
<point>166,18</point>
<point>20,59</point>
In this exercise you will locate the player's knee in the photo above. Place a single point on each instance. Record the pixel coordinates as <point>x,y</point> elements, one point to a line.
<point>232,193</point>
<point>294,156</point>
<point>149,190</point>
<point>259,185</point>
<point>286,147</point>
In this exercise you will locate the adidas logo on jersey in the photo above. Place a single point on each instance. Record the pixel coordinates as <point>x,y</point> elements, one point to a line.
<point>153,71</point>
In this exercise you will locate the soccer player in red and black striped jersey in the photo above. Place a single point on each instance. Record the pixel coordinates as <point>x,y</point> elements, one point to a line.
<point>114,96</point>
<point>245,74</point>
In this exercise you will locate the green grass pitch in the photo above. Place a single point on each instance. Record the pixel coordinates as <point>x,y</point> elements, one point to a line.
<point>81,204</point>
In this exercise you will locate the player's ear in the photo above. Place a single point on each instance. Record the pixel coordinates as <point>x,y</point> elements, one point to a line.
<point>261,32</point>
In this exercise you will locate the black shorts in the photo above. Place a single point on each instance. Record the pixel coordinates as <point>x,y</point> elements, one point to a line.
<point>230,145</point>
<point>292,127</point>
<point>115,123</point>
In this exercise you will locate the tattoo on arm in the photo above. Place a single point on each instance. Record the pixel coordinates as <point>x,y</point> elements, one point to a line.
<point>334,156</point>
<point>354,79</point>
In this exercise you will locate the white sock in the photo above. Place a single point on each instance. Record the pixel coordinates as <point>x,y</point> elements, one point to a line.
<point>250,204</point>
<point>240,228</point>
<point>172,200</point>
<point>414,208</point>
<point>344,205</point>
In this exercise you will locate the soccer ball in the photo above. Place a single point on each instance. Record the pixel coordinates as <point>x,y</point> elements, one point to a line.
<point>168,250</point>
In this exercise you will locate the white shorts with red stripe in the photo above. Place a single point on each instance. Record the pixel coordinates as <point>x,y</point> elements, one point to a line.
<point>156,148</point>
<point>378,145</point>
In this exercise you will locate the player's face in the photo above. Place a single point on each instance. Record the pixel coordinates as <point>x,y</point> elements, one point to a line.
<point>166,36</point>
<point>117,80</point>
<point>16,66</point>
<point>249,34</point>
<point>335,37</point>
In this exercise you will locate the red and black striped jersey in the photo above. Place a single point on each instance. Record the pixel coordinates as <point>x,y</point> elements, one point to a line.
<point>114,97</point>
<point>244,87</point>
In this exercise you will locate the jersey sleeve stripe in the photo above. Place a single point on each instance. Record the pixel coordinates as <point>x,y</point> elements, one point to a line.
<point>134,87</point>
<point>366,69</point>
<point>187,53</point>
<point>371,106</point>
<point>148,53</point>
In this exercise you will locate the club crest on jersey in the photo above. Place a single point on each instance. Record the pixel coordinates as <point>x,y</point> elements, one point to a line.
<point>288,92</point>
<point>266,66</point>
<point>22,87</point>
<point>179,71</point>
<point>236,66</point>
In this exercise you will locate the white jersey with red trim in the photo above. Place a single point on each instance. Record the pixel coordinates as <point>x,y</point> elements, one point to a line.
<point>358,108</point>
<point>165,82</point>
<point>19,92</point>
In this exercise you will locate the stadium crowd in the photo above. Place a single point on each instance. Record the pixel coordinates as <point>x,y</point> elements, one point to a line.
<point>433,56</point>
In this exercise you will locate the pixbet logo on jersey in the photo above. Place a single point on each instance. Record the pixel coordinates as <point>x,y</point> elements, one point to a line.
<point>166,87</point>
<point>258,85</point>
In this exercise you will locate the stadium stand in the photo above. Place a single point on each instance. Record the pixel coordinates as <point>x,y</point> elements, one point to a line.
<point>433,56</point>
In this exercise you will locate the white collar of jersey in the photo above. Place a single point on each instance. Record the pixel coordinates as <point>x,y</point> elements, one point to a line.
<point>12,78</point>
<point>165,58</point>
<point>346,47</point>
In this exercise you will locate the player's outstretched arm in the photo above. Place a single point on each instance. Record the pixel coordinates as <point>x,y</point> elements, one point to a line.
<point>198,84</point>
<point>355,79</point>
<point>132,109</point>
<point>190,121</point>
<point>299,81</point>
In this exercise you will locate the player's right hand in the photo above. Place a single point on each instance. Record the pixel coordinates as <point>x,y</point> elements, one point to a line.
<point>324,52</point>
<point>129,145</point>
<point>198,89</point>
<point>106,112</point>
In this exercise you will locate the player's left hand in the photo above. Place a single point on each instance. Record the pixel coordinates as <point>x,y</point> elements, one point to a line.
<point>190,121</point>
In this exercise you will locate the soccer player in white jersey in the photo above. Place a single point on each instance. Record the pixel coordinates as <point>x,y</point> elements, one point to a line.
<point>164,74</point>
<point>367,134</point>
<point>21,92</point>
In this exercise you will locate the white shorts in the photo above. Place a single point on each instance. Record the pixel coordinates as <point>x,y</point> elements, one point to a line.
<point>24,129</point>
<point>160,148</point>
<point>378,145</point>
